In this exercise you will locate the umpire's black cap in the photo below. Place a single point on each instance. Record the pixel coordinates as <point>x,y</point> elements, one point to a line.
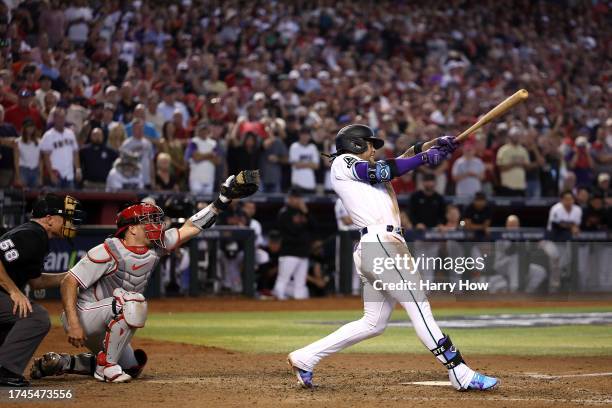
<point>52,204</point>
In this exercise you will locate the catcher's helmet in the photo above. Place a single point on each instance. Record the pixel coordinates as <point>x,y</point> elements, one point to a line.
<point>354,138</point>
<point>68,207</point>
<point>149,215</point>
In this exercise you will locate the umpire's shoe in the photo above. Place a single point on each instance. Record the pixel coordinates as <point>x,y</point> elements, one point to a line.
<point>10,379</point>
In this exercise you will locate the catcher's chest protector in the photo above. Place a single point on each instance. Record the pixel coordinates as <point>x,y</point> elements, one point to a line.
<point>133,269</point>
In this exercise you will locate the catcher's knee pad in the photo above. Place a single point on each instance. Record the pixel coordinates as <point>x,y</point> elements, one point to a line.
<point>132,306</point>
<point>141,358</point>
<point>447,353</point>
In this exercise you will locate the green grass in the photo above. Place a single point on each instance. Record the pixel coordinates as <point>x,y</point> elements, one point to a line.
<point>281,332</point>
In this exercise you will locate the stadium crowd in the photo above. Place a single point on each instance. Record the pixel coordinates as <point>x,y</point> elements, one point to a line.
<point>173,96</point>
<point>118,94</point>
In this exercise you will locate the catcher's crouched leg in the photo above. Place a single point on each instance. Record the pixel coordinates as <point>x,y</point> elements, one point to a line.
<point>130,310</point>
<point>52,363</point>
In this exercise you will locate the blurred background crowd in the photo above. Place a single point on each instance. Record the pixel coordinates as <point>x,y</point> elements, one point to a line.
<point>175,95</point>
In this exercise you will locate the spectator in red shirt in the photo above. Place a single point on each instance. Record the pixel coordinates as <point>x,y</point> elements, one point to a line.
<point>252,123</point>
<point>403,184</point>
<point>24,109</point>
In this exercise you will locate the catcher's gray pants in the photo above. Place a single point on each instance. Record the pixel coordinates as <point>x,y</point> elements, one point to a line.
<point>95,318</point>
<point>20,336</point>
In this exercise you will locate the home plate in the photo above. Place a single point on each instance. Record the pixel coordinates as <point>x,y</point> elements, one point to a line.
<point>434,383</point>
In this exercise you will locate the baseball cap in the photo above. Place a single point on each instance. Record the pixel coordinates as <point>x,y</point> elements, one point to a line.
<point>323,75</point>
<point>28,121</point>
<point>274,235</point>
<point>295,192</point>
<point>259,96</point>
<point>480,196</point>
<point>514,131</point>
<point>582,141</point>
<point>603,177</point>
<point>25,93</point>
<point>52,204</point>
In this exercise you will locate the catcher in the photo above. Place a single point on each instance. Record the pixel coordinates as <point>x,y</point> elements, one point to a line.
<point>109,307</point>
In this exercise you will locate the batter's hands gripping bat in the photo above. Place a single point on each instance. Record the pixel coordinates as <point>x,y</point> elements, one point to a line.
<point>494,113</point>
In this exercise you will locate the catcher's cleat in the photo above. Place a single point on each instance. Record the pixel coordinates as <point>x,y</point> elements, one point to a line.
<point>49,364</point>
<point>482,383</point>
<point>304,377</point>
<point>108,372</point>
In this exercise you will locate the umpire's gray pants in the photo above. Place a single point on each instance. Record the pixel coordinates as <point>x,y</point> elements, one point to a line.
<point>21,335</point>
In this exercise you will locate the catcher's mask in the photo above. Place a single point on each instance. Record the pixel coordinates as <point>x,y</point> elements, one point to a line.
<point>354,138</point>
<point>68,207</point>
<point>149,215</point>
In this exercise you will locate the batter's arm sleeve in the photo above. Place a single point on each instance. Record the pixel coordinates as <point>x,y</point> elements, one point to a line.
<point>98,262</point>
<point>385,170</point>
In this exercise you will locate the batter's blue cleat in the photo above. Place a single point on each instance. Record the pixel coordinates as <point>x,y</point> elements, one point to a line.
<point>482,382</point>
<point>304,377</point>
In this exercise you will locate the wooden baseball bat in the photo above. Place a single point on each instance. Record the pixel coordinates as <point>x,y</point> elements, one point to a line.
<point>497,111</point>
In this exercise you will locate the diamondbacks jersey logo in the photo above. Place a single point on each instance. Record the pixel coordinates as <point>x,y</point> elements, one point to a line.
<point>349,161</point>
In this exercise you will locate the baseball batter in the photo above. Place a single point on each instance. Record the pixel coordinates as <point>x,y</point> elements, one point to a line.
<point>103,293</point>
<point>364,187</point>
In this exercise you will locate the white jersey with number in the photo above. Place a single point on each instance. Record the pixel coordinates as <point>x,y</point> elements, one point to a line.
<point>367,204</point>
<point>114,265</point>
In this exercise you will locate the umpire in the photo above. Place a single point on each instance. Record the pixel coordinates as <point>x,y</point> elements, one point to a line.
<point>23,325</point>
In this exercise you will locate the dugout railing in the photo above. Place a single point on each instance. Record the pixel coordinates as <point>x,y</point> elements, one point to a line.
<point>204,275</point>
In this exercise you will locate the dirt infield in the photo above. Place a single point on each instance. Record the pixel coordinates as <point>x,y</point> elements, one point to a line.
<point>194,376</point>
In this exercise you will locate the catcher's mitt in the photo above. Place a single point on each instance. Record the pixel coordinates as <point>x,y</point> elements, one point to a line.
<point>242,185</point>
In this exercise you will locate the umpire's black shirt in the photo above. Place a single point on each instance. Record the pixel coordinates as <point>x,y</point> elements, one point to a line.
<point>22,251</point>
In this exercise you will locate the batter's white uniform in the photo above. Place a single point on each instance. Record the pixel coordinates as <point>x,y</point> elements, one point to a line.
<point>373,206</point>
<point>106,267</point>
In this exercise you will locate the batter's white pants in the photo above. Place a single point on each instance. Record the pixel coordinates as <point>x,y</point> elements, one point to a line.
<point>291,267</point>
<point>95,318</point>
<point>376,314</point>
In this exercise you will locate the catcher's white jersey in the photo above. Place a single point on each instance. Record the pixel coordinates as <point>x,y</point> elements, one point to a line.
<point>367,204</point>
<point>114,265</point>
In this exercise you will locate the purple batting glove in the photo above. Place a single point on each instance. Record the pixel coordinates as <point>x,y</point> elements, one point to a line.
<point>436,155</point>
<point>448,143</point>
